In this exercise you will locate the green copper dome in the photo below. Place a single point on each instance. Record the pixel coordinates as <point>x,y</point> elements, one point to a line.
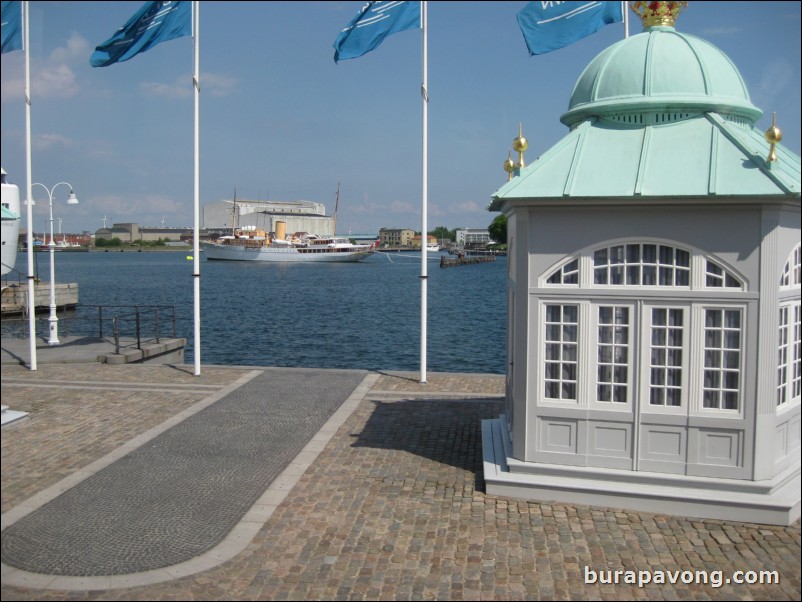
<point>660,71</point>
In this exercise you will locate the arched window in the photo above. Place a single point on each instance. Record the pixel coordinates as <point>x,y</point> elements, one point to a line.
<point>645,264</point>
<point>792,273</point>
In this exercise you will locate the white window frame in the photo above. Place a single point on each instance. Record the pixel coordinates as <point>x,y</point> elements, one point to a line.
<point>789,362</point>
<point>698,362</point>
<point>549,344</point>
<point>646,358</point>
<point>593,346</point>
<point>697,268</point>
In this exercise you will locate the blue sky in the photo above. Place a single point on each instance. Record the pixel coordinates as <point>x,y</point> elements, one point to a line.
<point>279,120</point>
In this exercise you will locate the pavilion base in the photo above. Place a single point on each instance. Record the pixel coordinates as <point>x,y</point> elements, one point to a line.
<point>776,502</point>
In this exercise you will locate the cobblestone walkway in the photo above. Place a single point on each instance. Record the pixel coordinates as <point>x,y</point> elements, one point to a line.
<point>393,509</point>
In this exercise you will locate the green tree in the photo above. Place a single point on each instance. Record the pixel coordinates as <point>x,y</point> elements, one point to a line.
<point>498,229</point>
<point>443,233</point>
<point>114,242</point>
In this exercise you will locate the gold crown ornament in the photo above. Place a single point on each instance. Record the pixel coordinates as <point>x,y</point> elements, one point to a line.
<point>656,14</point>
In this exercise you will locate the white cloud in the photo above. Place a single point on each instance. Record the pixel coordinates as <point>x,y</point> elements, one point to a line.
<point>44,142</point>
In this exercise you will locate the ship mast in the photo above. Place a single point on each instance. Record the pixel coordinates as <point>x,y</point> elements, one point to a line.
<point>336,206</point>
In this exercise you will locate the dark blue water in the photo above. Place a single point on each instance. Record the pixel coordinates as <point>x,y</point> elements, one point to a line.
<point>363,315</point>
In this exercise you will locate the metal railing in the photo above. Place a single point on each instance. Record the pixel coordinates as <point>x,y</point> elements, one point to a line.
<point>137,323</point>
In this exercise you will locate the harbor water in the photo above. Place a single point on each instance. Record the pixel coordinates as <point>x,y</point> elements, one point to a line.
<point>363,315</point>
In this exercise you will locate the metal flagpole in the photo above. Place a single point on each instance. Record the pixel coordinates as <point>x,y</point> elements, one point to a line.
<point>196,225</point>
<point>424,225</point>
<point>624,6</point>
<point>29,186</point>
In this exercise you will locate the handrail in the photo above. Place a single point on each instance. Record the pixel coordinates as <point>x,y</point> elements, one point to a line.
<point>143,322</point>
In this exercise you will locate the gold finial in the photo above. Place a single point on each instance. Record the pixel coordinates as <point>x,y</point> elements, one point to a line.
<point>509,165</point>
<point>519,145</point>
<point>773,136</point>
<point>654,14</point>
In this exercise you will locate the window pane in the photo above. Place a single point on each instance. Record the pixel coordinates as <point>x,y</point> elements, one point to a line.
<point>649,275</point>
<point>731,380</point>
<point>710,399</point>
<point>649,253</point>
<point>600,276</point>
<point>712,379</point>
<point>658,356</point>
<point>673,397</point>
<point>730,400</point>
<point>600,257</point>
<point>658,377</point>
<point>713,339</point>
<point>675,357</point>
<point>633,253</point>
<point>712,359</point>
<point>658,337</point>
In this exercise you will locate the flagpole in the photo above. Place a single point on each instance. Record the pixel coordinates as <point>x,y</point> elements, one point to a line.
<point>29,186</point>
<point>196,225</point>
<point>424,223</point>
<point>626,19</point>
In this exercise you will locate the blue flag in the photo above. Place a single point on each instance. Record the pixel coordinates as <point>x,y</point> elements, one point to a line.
<point>550,26</point>
<point>12,26</point>
<point>154,23</point>
<point>374,22</point>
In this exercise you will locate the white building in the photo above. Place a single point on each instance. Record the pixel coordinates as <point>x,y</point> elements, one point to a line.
<point>300,216</point>
<point>654,297</point>
<point>472,237</point>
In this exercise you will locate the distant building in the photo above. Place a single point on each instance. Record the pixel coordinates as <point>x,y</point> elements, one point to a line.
<point>473,237</point>
<point>130,233</point>
<point>299,216</point>
<point>392,237</point>
<point>416,240</point>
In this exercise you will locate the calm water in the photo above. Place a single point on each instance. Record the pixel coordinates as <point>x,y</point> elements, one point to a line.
<point>363,315</point>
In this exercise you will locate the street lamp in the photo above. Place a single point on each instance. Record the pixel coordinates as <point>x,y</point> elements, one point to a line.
<point>71,200</point>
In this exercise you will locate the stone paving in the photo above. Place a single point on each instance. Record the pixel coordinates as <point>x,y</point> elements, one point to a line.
<point>393,507</point>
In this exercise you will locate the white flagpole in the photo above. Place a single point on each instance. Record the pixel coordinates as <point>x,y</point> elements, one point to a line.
<point>29,186</point>
<point>196,225</point>
<point>424,222</point>
<point>624,6</point>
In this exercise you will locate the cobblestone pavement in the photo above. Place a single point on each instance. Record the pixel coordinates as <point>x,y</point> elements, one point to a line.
<point>393,507</point>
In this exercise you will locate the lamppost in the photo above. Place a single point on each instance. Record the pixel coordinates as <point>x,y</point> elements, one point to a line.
<point>71,200</point>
